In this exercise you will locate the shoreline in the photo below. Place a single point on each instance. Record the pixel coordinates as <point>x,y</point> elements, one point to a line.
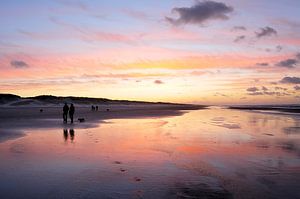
<point>285,109</point>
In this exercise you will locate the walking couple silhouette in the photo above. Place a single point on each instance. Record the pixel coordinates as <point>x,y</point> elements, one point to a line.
<point>68,110</point>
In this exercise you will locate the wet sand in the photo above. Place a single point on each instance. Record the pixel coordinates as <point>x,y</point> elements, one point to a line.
<point>14,119</point>
<point>208,153</point>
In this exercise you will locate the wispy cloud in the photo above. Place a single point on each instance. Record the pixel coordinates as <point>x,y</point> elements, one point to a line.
<point>239,28</point>
<point>136,14</point>
<point>89,35</point>
<point>240,38</point>
<point>280,88</point>
<point>74,4</point>
<point>255,91</point>
<point>297,88</point>
<point>262,64</point>
<point>266,32</point>
<point>252,89</point>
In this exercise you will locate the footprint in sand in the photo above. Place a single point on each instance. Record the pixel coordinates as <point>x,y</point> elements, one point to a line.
<point>137,179</point>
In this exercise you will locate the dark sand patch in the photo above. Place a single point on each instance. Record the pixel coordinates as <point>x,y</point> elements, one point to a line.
<point>200,191</point>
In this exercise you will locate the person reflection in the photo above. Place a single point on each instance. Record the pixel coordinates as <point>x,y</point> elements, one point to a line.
<point>66,134</point>
<point>72,134</point>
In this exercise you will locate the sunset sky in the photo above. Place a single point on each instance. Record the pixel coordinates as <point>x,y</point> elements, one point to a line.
<point>206,52</point>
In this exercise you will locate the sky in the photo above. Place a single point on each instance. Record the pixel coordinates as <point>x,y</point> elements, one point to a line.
<point>186,51</point>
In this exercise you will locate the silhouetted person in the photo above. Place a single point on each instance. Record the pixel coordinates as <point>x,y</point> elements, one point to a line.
<point>71,112</point>
<point>97,108</point>
<point>65,112</point>
<point>66,134</point>
<point>93,108</point>
<point>72,134</point>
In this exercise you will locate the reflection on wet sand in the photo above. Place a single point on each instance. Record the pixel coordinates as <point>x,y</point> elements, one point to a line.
<point>197,155</point>
<point>70,132</point>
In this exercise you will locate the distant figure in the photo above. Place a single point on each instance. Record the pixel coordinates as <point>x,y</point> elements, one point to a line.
<point>97,108</point>
<point>71,112</point>
<point>65,112</point>
<point>93,108</point>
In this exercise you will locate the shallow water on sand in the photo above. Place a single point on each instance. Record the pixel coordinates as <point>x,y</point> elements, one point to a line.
<point>212,153</point>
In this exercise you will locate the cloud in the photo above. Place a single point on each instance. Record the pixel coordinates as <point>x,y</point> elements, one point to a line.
<point>290,80</point>
<point>275,93</point>
<point>252,89</point>
<point>88,35</point>
<point>19,64</point>
<point>280,88</point>
<point>74,4</point>
<point>239,38</point>
<point>256,93</point>
<point>288,63</point>
<point>279,48</point>
<point>297,88</point>
<point>220,94</point>
<point>270,93</point>
<point>198,73</point>
<point>158,82</point>
<point>262,64</point>
<point>264,88</point>
<point>239,28</point>
<point>136,14</point>
<point>266,32</point>
<point>201,12</point>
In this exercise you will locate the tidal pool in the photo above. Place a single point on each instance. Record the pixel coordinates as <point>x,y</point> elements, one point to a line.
<point>211,153</point>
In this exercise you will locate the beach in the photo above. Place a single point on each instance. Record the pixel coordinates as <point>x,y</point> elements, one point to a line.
<point>162,152</point>
<point>14,119</point>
